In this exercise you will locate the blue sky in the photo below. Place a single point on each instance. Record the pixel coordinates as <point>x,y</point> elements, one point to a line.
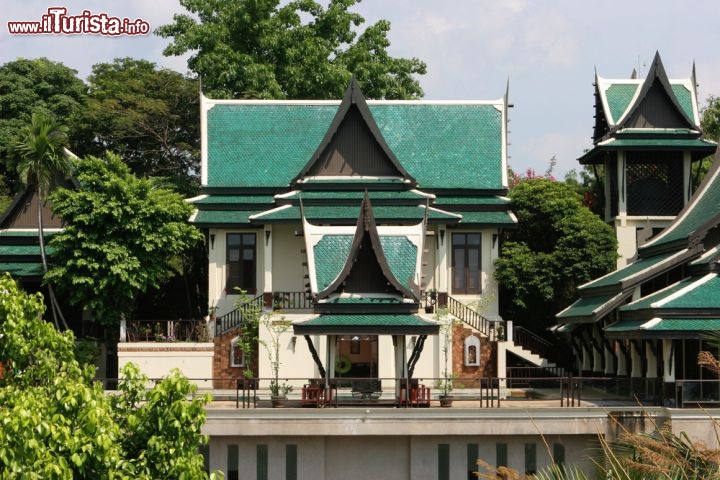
<point>547,49</point>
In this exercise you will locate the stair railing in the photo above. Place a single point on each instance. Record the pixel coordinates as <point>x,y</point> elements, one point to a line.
<point>235,318</point>
<point>468,316</point>
<point>533,342</point>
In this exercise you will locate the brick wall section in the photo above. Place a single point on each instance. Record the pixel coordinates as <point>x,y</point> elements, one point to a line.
<point>225,376</point>
<point>487,356</point>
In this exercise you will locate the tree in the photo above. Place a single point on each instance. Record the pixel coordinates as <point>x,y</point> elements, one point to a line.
<point>122,233</point>
<point>56,422</point>
<point>148,116</point>
<point>27,86</point>
<point>42,159</point>
<point>259,49</point>
<point>558,245</point>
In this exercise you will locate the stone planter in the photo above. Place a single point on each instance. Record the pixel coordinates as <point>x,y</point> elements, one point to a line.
<point>446,400</point>
<point>278,401</point>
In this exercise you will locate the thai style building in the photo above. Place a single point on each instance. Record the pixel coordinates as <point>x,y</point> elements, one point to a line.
<point>357,220</point>
<point>646,138</point>
<point>649,318</point>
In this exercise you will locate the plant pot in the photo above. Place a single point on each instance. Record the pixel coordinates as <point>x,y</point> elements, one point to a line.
<point>446,400</point>
<point>278,401</point>
<point>429,309</point>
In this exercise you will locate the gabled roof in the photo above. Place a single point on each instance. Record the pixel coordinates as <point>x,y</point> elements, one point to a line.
<point>671,104</point>
<point>262,144</point>
<point>384,281</point>
<point>352,106</point>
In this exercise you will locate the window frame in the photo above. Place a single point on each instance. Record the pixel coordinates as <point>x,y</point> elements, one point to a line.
<point>233,345</point>
<point>242,275</point>
<point>466,247</point>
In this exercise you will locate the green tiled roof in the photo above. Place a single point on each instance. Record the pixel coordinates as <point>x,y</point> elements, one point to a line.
<point>332,251</point>
<point>401,255</point>
<point>222,217</point>
<point>648,300</point>
<point>22,269</point>
<point>476,200</point>
<point>619,96</point>
<point>369,323</point>
<point>347,212</point>
<point>584,307</point>
<point>665,325</point>
<point>706,295</point>
<point>487,218</point>
<point>365,300</point>
<point>684,98</point>
<point>235,200</point>
<point>618,276</point>
<point>356,195</point>
<point>330,255</point>
<point>440,145</point>
<point>24,250</point>
<point>664,143</point>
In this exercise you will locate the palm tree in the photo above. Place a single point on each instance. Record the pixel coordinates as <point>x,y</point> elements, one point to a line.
<point>42,147</point>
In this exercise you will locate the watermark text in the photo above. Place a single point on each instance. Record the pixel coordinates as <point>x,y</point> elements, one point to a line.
<point>57,21</point>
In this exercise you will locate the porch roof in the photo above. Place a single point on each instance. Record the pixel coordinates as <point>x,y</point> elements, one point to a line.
<point>342,214</point>
<point>591,309</point>
<point>662,327</point>
<point>381,324</point>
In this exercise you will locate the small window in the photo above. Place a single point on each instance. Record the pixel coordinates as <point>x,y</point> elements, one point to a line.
<point>237,355</point>
<point>444,461</point>
<point>530,459</point>
<point>233,462</point>
<point>472,351</point>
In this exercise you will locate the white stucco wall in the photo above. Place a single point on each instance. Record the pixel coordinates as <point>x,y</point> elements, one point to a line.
<point>157,360</point>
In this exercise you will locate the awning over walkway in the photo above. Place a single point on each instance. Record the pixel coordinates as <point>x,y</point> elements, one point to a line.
<point>591,309</point>
<point>380,324</point>
<point>662,328</point>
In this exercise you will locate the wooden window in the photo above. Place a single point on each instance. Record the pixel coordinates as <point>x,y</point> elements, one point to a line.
<point>466,263</point>
<point>241,262</point>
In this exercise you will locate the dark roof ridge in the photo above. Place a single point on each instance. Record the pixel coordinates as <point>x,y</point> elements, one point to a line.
<point>353,97</point>
<point>655,72</point>
<point>366,226</point>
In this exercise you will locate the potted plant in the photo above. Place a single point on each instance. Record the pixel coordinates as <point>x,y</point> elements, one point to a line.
<point>446,383</point>
<point>275,327</point>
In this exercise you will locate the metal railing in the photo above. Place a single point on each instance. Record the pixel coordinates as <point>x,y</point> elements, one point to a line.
<point>468,316</point>
<point>292,301</point>
<point>235,318</point>
<point>167,331</point>
<point>533,342</point>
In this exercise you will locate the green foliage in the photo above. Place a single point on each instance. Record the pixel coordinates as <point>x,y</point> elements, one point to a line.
<point>121,234</point>
<point>40,146</point>
<point>558,245</point>
<point>28,86</point>
<point>249,336</point>
<point>56,422</point>
<point>710,121</point>
<point>160,423</point>
<point>148,116</point>
<point>260,49</point>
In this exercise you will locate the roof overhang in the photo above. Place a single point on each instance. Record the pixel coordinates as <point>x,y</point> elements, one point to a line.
<point>377,324</point>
